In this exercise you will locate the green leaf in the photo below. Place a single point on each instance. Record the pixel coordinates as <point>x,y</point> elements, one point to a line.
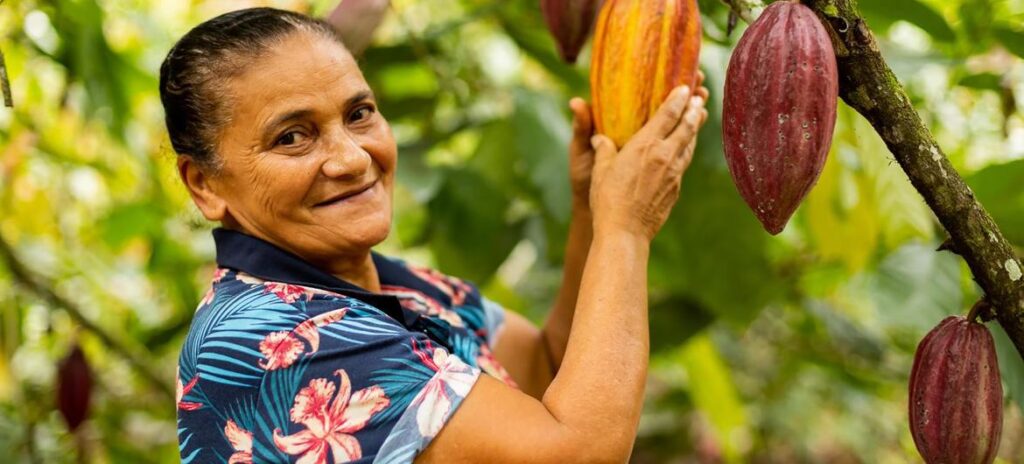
<point>882,13</point>
<point>1012,39</point>
<point>997,187</point>
<point>1011,366</point>
<point>470,236</point>
<point>530,35</point>
<point>131,220</point>
<point>916,287</point>
<point>542,141</point>
<point>714,394</point>
<point>674,320</point>
<point>90,60</point>
<point>976,20</point>
<point>982,81</point>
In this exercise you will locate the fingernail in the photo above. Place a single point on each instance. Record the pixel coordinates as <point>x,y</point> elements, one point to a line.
<point>698,100</point>
<point>595,141</point>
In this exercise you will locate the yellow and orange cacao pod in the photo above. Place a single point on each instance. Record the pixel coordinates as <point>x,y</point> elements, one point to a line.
<point>642,50</point>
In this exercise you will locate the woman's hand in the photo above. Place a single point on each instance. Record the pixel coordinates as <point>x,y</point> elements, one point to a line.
<point>634,189</point>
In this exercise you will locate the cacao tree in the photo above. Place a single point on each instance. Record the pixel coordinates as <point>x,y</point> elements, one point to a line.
<point>789,348</point>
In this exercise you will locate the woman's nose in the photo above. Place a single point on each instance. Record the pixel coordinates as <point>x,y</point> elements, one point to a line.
<point>346,159</point>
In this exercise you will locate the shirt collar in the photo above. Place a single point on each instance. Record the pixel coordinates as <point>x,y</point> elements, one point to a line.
<point>259,258</point>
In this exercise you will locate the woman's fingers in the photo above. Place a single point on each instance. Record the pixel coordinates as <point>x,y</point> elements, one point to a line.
<point>582,124</point>
<point>667,117</point>
<point>691,121</point>
<point>702,92</point>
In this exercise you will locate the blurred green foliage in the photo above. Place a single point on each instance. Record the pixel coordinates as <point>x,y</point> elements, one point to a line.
<point>793,348</point>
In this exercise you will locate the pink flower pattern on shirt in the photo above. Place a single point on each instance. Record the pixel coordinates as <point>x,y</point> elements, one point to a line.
<point>241,441</point>
<point>330,420</point>
<point>280,350</point>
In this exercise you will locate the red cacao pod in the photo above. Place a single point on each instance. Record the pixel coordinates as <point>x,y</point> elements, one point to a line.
<point>781,92</point>
<point>570,22</point>
<point>642,50</point>
<point>956,396</point>
<point>74,387</point>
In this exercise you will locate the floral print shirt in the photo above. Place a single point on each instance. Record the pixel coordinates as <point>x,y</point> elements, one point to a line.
<point>287,363</point>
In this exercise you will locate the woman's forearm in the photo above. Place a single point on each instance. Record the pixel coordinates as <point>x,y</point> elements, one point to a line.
<point>599,388</point>
<point>555,333</point>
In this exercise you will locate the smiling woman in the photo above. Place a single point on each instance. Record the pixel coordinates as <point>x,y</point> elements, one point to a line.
<point>309,346</point>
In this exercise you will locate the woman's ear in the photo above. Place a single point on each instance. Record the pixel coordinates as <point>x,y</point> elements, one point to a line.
<point>198,182</point>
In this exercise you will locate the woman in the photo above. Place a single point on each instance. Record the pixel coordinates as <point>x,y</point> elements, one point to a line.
<point>311,347</point>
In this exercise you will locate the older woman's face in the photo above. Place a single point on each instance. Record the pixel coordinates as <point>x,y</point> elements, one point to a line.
<point>308,161</point>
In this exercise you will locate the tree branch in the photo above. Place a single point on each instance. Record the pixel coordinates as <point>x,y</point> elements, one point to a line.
<point>741,9</point>
<point>867,84</point>
<point>5,84</point>
<point>44,290</point>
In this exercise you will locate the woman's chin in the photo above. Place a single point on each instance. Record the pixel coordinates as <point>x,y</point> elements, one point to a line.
<point>366,233</point>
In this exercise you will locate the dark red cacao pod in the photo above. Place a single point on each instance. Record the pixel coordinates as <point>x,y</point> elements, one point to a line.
<point>74,387</point>
<point>781,91</point>
<point>570,22</point>
<point>956,395</point>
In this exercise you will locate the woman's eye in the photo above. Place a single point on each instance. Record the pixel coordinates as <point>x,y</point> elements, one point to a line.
<point>361,114</point>
<point>291,138</point>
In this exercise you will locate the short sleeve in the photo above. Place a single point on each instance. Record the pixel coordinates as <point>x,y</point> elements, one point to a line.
<point>494,320</point>
<point>325,375</point>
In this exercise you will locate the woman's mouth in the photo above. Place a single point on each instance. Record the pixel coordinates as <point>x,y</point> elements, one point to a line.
<point>354,195</point>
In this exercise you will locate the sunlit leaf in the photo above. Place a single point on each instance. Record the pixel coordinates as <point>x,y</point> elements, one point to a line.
<point>881,13</point>
<point>714,394</point>
<point>998,188</point>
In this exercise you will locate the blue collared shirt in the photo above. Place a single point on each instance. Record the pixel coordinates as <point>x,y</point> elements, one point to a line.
<point>284,362</point>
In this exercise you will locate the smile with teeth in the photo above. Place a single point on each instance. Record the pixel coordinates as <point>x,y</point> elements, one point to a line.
<point>351,195</point>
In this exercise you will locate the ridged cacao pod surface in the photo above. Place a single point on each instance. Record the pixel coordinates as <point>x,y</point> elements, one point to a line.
<point>956,396</point>
<point>74,387</point>
<point>570,22</point>
<point>781,92</point>
<point>642,50</point>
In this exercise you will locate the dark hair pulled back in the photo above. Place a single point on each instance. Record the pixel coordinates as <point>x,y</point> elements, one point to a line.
<point>194,76</point>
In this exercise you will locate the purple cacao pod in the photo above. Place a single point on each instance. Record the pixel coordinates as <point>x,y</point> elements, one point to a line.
<point>74,387</point>
<point>956,395</point>
<point>570,22</point>
<point>781,92</point>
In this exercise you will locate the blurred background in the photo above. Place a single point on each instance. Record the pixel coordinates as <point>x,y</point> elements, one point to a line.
<point>795,348</point>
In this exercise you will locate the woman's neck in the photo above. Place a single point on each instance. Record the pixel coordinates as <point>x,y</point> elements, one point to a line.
<point>360,271</point>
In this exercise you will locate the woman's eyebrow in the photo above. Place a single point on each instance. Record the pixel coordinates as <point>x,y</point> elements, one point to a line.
<point>294,114</point>
<point>363,95</point>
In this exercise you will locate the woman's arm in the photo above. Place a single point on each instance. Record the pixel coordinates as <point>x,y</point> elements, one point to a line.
<point>533,356</point>
<point>591,410</point>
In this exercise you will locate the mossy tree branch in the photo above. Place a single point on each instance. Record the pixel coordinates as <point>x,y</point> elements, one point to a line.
<point>868,84</point>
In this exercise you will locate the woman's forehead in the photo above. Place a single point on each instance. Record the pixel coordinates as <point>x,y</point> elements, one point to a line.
<point>302,66</point>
